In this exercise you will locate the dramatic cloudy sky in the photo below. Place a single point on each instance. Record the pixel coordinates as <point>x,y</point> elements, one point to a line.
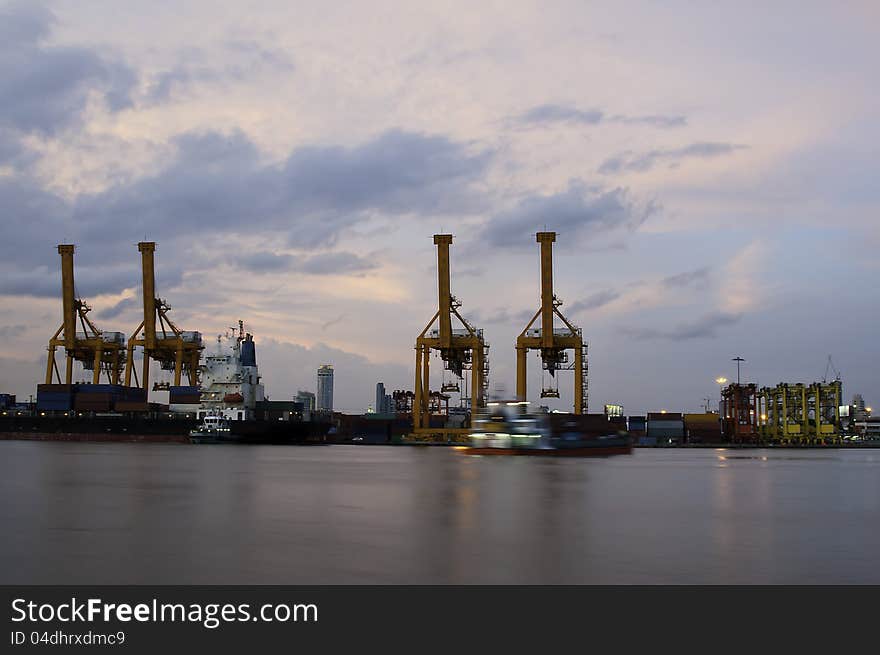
<point>711,169</point>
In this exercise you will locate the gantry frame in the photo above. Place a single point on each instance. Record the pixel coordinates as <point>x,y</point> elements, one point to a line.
<point>460,350</point>
<point>552,343</point>
<point>93,348</point>
<point>170,348</point>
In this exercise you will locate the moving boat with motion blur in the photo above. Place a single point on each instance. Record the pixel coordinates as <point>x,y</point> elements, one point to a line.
<point>509,428</point>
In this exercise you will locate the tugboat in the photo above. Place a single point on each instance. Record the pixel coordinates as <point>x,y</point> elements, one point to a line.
<point>508,428</point>
<point>214,429</point>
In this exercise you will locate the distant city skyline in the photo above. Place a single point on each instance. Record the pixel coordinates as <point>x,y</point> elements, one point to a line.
<point>710,171</point>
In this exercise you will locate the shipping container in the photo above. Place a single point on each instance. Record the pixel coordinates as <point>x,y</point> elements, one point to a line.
<point>130,406</point>
<point>184,389</point>
<point>54,405</point>
<point>68,388</point>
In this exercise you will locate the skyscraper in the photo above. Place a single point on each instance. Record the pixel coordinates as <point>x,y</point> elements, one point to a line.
<point>383,400</point>
<point>307,398</point>
<point>325,388</point>
<point>380,398</point>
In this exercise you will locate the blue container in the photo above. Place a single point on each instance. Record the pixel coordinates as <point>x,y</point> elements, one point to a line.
<point>183,390</point>
<point>53,405</point>
<point>99,388</point>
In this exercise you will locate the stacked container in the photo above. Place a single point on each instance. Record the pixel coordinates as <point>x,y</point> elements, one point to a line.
<point>665,427</point>
<point>183,395</point>
<point>702,428</point>
<point>55,397</point>
<point>131,399</point>
<point>96,397</point>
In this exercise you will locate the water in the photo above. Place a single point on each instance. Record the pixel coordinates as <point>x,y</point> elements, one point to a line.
<point>150,513</point>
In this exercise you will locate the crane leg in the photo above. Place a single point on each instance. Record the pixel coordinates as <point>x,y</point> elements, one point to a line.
<point>96,373</point>
<point>417,401</point>
<point>521,385</point>
<point>50,364</point>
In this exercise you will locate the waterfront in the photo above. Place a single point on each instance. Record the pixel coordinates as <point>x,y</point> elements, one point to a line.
<point>153,513</point>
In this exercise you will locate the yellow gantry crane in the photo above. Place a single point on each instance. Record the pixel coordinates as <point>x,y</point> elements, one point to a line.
<point>174,349</point>
<point>96,350</point>
<point>460,349</point>
<point>552,342</point>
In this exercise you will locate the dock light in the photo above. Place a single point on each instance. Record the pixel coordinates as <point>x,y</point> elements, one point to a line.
<point>720,380</point>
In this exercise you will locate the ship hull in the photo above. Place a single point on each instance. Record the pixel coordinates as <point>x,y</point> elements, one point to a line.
<point>567,447</point>
<point>583,451</point>
<point>151,429</point>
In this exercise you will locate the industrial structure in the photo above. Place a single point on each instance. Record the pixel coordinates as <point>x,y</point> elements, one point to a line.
<point>800,413</point>
<point>553,343</point>
<point>161,339</point>
<point>97,351</point>
<point>460,349</point>
<point>739,413</point>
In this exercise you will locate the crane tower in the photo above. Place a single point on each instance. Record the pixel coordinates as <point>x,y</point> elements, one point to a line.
<point>161,339</point>
<point>460,349</point>
<point>553,343</point>
<point>96,350</point>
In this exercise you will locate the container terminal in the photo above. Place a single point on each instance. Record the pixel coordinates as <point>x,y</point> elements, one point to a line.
<point>225,384</point>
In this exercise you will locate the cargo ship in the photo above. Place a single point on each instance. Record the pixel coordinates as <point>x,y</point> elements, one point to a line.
<point>231,389</point>
<point>509,428</point>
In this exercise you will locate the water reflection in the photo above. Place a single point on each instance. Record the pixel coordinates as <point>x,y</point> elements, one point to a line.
<point>150,513</point>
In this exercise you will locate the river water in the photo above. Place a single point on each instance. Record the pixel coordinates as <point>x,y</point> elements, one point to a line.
<point>177,514</point>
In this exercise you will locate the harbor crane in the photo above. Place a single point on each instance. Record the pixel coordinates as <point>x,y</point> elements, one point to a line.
<point>174,349</point>
<point>96,350</point>
<point>553,343</point>
<point>460,349</point>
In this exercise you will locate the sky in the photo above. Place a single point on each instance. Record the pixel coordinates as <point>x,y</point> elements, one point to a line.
<point>710,170</point>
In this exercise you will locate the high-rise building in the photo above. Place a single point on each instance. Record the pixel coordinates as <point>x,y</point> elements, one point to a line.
<point>325,388</point>
<point>384,401</point>
<point>858,405</point>
<point>380,398</point>
<point>307,398</point>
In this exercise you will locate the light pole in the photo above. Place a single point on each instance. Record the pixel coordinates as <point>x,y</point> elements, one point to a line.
<point>721,382</point>
<point>737,359</point>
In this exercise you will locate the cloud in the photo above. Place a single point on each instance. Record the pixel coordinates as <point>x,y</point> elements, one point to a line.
<point>218,182</point>
<point>549,113</point>
<point>9,331</point>
<point>46,89</point>
<point>91,281</point>
<point>742,289</point>
<point>631,162</point>
<point>500,315</point>
<point>115,310</point>
<point>264,262</point>
<point>687,278</point>
<point>561,114</point>
<point>704,327</point>
<point>334,263</point>
<point>198,67</point>
<point>655,120</point>
<point>594,301</point>
<point>331,263</point>
<point>572,213</point>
